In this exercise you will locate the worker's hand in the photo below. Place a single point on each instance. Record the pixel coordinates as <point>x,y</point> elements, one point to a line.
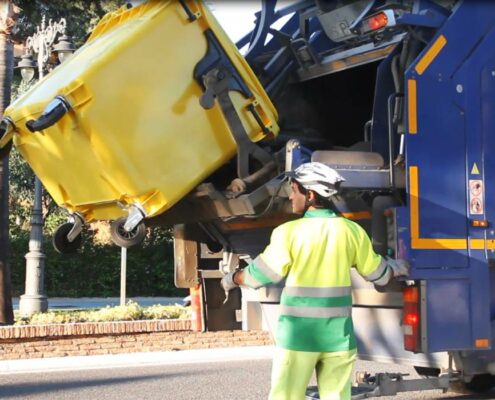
<point>228,283</point>
<point>399,267</point>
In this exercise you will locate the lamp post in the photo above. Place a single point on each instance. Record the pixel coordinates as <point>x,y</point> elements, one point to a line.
<point>41,44</point>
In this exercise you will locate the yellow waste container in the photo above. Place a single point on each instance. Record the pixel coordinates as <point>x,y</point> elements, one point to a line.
<point>135,133</point>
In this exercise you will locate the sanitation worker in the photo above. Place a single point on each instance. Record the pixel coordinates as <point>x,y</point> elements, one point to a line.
<point>314,254</point>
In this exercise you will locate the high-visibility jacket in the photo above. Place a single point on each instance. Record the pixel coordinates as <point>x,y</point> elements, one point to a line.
<point>315,254</point>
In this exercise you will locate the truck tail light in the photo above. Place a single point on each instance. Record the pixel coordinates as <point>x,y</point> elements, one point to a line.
<point>378,21</point>
<point>412,319</point>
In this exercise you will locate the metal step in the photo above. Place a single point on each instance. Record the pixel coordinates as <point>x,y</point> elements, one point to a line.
<point>361,169</point>
<point>357,393</point>
<point>349,159</point>
<point>389,384</point>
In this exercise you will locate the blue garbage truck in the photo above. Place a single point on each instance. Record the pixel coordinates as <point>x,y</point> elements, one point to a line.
<point>397,97</point>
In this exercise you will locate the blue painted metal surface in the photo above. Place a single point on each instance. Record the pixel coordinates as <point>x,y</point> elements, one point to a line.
<point>263,22</point>
<point>425,13</point>
<point>433,20</point>
<point>300,155</point>
<point>455,104</point>
<point>448,325</point>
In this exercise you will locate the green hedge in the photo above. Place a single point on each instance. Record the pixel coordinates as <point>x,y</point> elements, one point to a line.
<point>95,270</point>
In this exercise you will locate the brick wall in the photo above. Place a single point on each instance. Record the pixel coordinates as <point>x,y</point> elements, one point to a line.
<point>113,338</point>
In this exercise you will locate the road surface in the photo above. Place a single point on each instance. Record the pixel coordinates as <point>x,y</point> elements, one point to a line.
<point>202,378</point>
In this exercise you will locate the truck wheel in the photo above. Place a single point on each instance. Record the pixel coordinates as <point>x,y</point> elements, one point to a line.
<point>61,243</point>
<point>122,238</point>
<point>481,383</point>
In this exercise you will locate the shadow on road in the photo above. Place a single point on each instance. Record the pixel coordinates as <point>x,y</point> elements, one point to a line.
<point>477,396</point>
<point>39,388</point>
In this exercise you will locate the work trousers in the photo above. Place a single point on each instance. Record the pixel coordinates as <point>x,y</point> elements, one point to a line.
<point>292,372</point>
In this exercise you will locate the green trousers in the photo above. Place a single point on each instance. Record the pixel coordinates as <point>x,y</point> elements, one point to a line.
<point>292,372</point>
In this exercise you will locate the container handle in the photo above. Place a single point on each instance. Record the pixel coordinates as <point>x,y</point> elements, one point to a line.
<point>190,15</point>
<point>57,108</point>
<point>7,128</point>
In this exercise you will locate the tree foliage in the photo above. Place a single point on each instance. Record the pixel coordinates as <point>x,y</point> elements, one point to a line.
<point>7,19</point>
<point>95,270</point>
<point>81,15</point>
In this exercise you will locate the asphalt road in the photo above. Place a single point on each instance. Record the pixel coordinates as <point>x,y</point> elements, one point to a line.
<point>206,380</point>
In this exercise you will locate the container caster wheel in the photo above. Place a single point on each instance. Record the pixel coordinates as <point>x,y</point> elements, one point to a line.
<point>124,238</point>
<point>61,242</point>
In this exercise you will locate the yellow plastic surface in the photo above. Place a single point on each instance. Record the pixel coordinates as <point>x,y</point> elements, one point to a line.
<point>136,132</point>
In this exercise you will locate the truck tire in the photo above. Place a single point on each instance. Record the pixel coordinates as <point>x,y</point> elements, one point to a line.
<point>60,242</point>
<point>481,383</point>
<point>122,238</point>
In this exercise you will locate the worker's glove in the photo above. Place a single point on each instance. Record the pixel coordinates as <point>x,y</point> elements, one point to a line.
<point>398,267</point>
<point>227,282</point>
<point>395,268</point>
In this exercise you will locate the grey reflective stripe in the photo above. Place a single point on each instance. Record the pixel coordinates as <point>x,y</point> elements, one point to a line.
<point>266,270</point>
<point>315,312</point>
<point>338,291</point>
<point>250,281</point>
<point>378,272</point>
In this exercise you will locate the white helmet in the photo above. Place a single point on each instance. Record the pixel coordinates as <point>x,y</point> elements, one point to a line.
<point>317,177</point>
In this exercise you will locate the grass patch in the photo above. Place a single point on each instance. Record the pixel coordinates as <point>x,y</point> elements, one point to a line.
<point>130,312</point>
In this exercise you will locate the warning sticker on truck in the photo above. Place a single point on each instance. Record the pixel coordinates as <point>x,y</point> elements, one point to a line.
<point>476,197</point>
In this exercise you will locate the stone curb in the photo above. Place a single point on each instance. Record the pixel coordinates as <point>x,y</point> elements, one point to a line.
<point>92,328</point>
<point>196,356</point>
<point>103,338</point>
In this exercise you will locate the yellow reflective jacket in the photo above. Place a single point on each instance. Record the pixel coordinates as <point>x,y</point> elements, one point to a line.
<point>314,255</point>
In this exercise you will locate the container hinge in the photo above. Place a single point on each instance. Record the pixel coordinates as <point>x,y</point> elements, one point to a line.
<point>216,58</point>
<point>216,82</point>
<point>78,220</point>
<point>219,76</point>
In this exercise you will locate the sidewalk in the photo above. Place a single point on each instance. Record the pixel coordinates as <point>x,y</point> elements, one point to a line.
<point>93,345</point>
<point>136,359</point>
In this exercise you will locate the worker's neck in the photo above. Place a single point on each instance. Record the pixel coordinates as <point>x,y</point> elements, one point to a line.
<point>310,208</point>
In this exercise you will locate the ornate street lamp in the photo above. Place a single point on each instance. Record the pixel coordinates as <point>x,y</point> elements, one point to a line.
<point>41,44</point>
<point>27,67</point>
<point>64,48</point>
